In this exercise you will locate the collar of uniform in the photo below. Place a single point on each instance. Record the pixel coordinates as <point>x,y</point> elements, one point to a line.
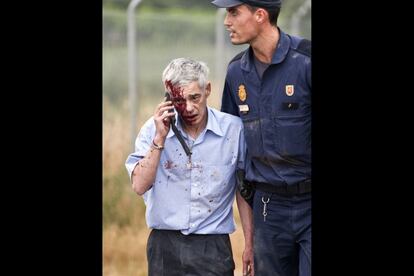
<point>279,55</point>
<point>212,124</point>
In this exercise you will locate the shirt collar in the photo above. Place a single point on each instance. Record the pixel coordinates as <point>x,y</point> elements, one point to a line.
<point>247,62</point>
<point>212,124</point>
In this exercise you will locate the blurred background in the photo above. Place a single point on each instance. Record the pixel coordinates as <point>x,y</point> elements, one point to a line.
<point>164,30</point>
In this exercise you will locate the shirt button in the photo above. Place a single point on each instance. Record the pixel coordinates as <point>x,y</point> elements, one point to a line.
<point>192,225</point>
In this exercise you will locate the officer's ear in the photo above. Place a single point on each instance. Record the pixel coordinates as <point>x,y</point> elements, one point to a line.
<point>261,15</point>
<point>208,89</point>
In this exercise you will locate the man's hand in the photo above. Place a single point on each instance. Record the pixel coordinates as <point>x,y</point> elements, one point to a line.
<point>162,121</point>
<point>248,262</point>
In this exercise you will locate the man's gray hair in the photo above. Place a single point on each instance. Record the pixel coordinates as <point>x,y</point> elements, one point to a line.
<point>183,71</point>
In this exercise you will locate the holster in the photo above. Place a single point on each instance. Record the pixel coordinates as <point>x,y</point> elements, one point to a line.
<point>245,187</point>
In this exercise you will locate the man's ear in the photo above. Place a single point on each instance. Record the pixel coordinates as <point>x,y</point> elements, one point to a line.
<point>208,89</point>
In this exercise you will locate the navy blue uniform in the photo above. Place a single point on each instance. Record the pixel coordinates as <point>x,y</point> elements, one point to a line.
<point>277,126</point>
<point>276,112</point>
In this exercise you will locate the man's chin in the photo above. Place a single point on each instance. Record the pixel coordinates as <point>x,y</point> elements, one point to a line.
<point>190,121</point>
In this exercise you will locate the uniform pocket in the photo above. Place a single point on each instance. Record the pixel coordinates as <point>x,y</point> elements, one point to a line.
<point>293,136</point>
<point>252,132</point>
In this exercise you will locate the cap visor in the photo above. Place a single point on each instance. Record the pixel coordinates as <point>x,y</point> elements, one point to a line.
<point>226,3</point>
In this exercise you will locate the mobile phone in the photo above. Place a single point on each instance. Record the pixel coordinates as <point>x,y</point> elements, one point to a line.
<point>168,98</point>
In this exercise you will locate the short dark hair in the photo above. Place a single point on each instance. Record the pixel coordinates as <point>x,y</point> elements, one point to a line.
<point>273,13</point>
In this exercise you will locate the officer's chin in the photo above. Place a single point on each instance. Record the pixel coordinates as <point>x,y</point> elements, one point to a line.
<point>237,42</point>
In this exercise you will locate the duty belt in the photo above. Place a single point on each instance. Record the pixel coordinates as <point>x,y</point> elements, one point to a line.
<point>303,187</point>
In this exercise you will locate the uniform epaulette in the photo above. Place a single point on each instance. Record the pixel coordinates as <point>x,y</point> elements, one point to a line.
<point>305,47</point>
<point>238,56</point>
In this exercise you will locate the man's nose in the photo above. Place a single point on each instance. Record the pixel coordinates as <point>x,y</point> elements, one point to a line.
<point>189,106</point>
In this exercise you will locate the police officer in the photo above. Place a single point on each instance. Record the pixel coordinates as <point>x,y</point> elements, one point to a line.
<point>269,87</point>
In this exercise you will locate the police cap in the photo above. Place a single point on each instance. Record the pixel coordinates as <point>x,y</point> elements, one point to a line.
<point>254,3</point>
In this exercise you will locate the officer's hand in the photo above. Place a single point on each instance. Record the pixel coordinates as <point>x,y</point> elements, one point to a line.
<point>248,262</point>
<point>162,119</point>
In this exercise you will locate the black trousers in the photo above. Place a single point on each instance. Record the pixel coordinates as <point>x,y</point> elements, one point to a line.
<point>170,253</point>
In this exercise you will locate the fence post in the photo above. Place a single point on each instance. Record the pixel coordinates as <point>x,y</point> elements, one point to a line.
<point>132,71</point>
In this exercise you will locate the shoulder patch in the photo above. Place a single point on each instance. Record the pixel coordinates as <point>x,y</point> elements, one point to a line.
<point>305,47</point>
<point>238,56</point>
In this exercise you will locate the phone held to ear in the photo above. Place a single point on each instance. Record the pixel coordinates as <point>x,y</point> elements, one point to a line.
<point>168,98</point>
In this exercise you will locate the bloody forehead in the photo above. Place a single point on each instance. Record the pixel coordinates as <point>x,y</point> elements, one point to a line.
<point>176,91</point>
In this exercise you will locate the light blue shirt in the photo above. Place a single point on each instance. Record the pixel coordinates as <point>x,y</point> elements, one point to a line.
<point>196,198</point>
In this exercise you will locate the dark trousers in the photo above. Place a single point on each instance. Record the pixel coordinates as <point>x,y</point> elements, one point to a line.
<point>170,253</point>
<point>282,243</point>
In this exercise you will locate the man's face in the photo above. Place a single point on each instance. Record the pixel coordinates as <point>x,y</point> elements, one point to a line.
<point>191,103</point>
<point>241,24</point>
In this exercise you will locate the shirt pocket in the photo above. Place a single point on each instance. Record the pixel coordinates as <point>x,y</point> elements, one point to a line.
<point>292,135</point>
<point>219,182</point>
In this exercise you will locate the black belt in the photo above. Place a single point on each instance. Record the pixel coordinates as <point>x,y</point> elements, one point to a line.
<point>303,187</point>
